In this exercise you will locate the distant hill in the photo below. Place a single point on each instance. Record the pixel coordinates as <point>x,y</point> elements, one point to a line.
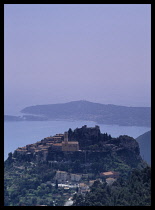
<point>100,113</point>
<point>144,141</point>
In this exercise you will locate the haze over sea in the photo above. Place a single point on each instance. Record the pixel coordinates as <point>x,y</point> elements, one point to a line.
<point>20,133</point>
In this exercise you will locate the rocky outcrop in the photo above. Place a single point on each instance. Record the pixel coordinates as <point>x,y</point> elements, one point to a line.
<point>86,136</point>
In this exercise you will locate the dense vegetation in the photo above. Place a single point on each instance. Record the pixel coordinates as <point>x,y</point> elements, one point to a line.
<point>133,191</point>
<point>29,184</point>
<point>100,113</point>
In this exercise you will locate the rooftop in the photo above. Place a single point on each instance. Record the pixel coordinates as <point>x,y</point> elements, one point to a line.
<point>57,144</point>
<point>71,142</point>
<point>62,172</point>
<point>56,137</point>
<point>107,173</point>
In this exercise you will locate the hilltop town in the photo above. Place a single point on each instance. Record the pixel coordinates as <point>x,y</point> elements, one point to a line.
<point>70,163</point>
<point>59,142</point>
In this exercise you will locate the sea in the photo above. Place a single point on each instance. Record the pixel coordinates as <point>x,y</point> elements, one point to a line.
<point>20,133</point>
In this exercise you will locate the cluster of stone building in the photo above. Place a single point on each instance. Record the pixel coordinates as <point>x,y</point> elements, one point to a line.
<point>64,177</point>
<point>59,142</point>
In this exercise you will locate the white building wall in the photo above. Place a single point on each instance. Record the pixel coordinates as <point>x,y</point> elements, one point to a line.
<point>61,176</point>
<point>75,177</point>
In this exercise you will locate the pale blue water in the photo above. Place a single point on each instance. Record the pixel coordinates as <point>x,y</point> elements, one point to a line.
<point>19,134</point>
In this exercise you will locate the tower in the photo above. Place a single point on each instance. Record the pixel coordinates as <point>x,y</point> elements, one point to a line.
<point>69,145</point>
<point>66,137</point>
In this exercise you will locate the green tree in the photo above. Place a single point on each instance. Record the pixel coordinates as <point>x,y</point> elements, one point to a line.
<point>34,201</point>
<point>78,200</point>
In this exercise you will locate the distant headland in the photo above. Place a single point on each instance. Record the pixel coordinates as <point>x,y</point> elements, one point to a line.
<point>84,110</point>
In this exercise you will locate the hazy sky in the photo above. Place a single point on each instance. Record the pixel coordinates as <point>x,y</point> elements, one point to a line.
<point>60,53</point>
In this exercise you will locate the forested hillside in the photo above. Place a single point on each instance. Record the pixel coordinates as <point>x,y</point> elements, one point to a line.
<point>133,191</point>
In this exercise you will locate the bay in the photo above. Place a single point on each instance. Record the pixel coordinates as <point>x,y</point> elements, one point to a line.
<point>20,133</point>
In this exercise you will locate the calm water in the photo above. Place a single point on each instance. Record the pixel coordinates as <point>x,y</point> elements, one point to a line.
<point>18,134</point>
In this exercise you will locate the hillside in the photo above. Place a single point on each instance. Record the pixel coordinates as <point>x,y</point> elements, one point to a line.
<point>100,113</point>
<point>144,141</point>
<point>29,173</point>
<point>135,191</point>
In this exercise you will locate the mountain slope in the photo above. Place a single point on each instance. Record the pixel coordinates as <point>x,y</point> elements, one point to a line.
<point>144,141</point>
<point>100,113</point>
